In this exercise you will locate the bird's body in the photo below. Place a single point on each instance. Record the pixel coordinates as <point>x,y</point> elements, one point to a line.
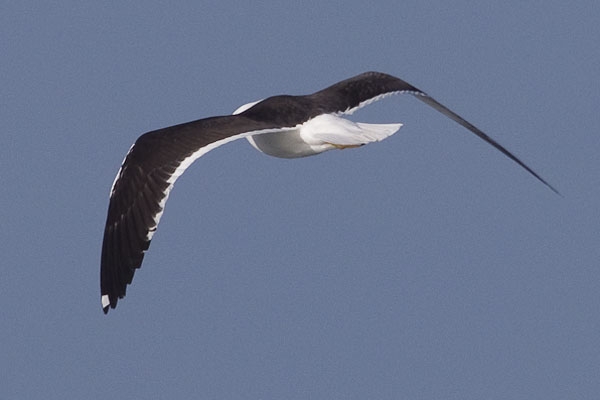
<point>281,126</point>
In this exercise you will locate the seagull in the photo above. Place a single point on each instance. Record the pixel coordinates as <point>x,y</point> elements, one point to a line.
<point>282,126</point>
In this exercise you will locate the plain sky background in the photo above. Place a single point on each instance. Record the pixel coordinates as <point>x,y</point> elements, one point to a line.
<point>428,266</point>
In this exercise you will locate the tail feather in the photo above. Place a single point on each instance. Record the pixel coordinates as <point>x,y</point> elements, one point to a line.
<point>344,132</point>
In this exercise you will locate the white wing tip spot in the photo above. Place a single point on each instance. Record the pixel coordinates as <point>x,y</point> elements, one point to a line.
<point>105,301</point>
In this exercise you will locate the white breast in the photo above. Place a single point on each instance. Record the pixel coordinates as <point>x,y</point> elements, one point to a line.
<point>317,135</point>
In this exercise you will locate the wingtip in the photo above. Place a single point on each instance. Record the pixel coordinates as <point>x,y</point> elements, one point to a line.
<point>539,178</point>
<point>430,101</point>
<point>105,303</point>
<point>554,189</point>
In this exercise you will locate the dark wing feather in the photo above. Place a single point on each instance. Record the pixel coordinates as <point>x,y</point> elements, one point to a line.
<point>457,118</point>
<point>339,98</point>
<point>352,93</point>
<point>141,188</point>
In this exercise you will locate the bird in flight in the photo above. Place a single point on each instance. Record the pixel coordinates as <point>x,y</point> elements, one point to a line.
<point>281,126</point>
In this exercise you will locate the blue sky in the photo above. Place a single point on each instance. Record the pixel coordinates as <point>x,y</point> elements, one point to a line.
<point>426,266</point>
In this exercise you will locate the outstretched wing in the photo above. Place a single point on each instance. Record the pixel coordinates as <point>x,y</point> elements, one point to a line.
<point>348,95</point>
<point>142,186</point>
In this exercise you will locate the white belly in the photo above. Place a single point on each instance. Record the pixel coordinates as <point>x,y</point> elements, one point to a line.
<point>286,144</point>
<point>322,133</point>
